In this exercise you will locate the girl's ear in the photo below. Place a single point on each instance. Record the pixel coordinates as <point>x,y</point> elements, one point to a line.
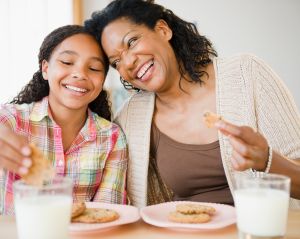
<point>163,29</point>
<point>45,69</point>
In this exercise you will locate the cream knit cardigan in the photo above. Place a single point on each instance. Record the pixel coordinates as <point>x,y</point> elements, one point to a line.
<point>248,92</point>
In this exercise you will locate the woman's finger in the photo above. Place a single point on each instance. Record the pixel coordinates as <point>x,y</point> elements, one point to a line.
<point>245,133</point>
<point>241,147</point>
<point>256,157</point>
<point>240,163</point>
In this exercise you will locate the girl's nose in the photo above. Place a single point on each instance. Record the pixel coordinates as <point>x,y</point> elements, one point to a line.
<point>75,75</point>
<point>79,73</point>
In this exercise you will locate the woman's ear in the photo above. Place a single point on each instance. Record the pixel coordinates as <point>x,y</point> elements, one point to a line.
<point>45,69</point>
<point>163,29</point>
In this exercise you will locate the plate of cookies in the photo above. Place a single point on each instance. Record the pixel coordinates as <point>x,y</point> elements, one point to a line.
<point>91,217</point>
<point>189,215</point>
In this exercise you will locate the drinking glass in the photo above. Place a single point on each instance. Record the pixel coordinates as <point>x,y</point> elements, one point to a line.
<point>262,203</point>
<point>43,212</point>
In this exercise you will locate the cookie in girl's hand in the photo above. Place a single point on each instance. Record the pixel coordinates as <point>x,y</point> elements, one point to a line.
<point>41,169</point>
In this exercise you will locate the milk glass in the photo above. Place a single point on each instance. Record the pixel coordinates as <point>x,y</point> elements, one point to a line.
<point>262,202</point>
<point>43,212</point>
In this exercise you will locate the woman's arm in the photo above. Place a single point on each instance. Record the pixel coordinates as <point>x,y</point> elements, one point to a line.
<point>250,150</point>
<point>278,125</point>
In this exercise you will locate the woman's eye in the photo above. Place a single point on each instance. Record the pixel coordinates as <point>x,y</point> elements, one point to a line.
<point>115,63</point>
<point>131,41</point>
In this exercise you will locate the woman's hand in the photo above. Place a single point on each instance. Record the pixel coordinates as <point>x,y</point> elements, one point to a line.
<point>14,151</point>
<point>250,148</point>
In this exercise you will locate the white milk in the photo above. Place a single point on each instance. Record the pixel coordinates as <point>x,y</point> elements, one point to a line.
<point>262,212</point>
<point>43,217</point>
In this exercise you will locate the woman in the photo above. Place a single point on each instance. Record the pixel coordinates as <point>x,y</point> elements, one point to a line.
<point>173,155</point>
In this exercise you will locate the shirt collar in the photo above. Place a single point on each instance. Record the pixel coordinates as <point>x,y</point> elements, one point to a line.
<point>40,110</point>
<point>89,130</point>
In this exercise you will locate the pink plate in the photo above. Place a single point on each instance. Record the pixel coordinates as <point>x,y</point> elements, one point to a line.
<point>157,215</point>
<point>128,214</point>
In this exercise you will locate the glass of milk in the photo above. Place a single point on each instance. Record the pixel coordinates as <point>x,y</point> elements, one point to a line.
<point>43,212</point>
<point>262,202</point>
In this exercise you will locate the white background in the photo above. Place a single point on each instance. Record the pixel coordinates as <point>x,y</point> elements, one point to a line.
<point>269,29</point>
<point>23,26</point>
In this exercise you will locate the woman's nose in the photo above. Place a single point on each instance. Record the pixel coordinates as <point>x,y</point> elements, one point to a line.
<point>129,60</point>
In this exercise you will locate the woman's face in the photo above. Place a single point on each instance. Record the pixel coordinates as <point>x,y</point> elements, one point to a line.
<point>142,56</point>
<point>75,72</point>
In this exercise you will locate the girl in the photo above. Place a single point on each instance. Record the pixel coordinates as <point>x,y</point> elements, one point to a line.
<point>64,111</point>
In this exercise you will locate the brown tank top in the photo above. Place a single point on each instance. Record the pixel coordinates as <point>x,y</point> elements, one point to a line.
<point>192,172</point>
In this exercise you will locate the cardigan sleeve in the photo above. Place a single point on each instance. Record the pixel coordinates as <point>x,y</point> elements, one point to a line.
<point>121,115</point>
<point>277,115</point>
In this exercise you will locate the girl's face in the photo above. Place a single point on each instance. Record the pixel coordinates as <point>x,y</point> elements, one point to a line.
<point>143,57</point>
<point>75,73</point>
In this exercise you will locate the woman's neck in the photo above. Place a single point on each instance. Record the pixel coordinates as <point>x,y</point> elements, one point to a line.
<point>181,93</point>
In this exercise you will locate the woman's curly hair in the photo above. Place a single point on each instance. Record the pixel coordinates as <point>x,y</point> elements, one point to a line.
<point>192,50</point>
<point>38,88</point>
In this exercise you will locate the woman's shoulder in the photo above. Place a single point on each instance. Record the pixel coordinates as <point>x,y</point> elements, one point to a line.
<point>137,102</point>
<point>140,96</point>
<point>238,60</point>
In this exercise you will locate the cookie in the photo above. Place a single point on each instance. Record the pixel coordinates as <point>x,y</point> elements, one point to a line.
<point>77,209</point>
<point>193,208</point>
<point>41,169</point>
<point>210,119</point>
<point>189,218</point>
<point>96,215</point>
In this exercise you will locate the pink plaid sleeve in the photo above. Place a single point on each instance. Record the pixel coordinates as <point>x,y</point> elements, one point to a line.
<point>112,187</point>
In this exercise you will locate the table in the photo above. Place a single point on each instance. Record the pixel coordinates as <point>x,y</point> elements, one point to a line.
<point>144,231</point>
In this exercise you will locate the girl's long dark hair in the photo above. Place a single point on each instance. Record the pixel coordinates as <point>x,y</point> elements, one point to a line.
<point>38,88</point>
<point>192,50</point>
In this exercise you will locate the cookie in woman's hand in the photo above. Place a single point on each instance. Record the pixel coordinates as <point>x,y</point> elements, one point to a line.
<point>211,118</point>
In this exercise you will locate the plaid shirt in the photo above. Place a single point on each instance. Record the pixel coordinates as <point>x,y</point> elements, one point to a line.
<point>96,161</point>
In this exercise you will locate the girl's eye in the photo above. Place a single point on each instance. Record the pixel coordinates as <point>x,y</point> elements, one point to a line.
<point>95,69</point>
<point>131,42</point>
<point>66,63</point>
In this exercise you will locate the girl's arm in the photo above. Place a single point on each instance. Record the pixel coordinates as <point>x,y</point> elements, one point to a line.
<point>14,148</point>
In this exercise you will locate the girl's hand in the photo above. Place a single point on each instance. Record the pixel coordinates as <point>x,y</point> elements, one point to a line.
<point>14,151</point>
<point>250,148</point>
